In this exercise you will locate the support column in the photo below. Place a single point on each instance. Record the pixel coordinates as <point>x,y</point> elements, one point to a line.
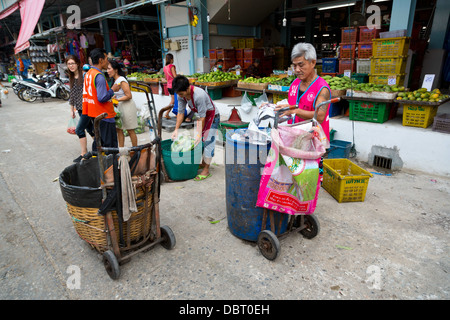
<point>440,24</point>
<point>402,15</point>
<point>191,43</point>
<point>104,25</point>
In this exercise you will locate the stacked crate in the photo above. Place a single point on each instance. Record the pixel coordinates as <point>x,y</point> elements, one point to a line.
<point>347,51</point>
<point>250,55</point>
<point>388,62</point>
<point>281,58</point>
<point>228,56</point>
<point>365,45</point>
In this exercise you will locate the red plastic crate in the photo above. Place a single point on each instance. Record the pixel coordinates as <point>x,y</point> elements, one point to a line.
<point>212,54</point>
<point>366,34</point>
<point>240,62</point>
<point>347,50</point>
<point>226,54</point>
<point>346,64</point>
<point>365,50</point>
<point>253,53</point>
<point>228,63</point>
<point>247,63</point>
<point>239,54</point>
<point>349,35</point>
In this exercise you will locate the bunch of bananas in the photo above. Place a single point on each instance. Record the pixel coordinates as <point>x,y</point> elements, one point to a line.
<point>194,20</point>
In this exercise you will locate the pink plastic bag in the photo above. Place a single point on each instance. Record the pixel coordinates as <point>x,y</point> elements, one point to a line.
<point>290,181</point>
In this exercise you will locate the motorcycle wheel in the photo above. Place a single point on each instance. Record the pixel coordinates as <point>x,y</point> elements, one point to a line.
<point>26,95</point>
<point>62,94</point>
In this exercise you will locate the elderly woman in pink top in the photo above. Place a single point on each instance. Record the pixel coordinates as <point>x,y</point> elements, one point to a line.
<point>308,90</point>
<point>170,73</point>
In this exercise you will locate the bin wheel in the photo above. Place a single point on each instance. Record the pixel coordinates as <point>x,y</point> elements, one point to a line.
<point>168,236</point>
<point>268,244</point>
<point>111,264</point>
<point>312,226</point>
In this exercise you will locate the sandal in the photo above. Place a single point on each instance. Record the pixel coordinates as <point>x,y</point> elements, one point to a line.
<point>200,177</point>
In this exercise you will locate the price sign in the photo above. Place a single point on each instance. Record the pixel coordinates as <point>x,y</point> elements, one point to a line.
<point>392,80</point>
<point>428,81</point>
<point>289,72</point>
<point>348,73</point>
<point>238,72</point>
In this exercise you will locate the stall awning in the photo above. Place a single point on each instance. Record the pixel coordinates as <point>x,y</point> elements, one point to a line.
<point>30,11</point>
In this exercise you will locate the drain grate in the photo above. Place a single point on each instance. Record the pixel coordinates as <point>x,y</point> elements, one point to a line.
<point>382,162</point>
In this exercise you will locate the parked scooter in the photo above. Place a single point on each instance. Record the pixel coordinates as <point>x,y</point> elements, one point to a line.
<point>55,89</point>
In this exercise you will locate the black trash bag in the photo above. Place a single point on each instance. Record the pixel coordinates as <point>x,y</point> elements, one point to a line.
<point>80,183</point>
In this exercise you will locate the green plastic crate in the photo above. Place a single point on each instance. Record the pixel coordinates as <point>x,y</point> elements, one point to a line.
<point>215,94</point>
<point>369,111</point>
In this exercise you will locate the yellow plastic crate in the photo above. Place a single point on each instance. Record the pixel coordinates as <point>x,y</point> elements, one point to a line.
<point>344,180</point>
<point>387,65</point>
<point>383,78</point>
<point>241,43</point>
<point>390,47</point>
<point>418,116</point>
<point>235,43</point>
<point>279,97</point>
<point>253,43</point>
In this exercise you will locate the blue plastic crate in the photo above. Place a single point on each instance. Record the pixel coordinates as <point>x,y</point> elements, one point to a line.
<point>339,149</point>
<point>330,65</point>
<point>335,109</point>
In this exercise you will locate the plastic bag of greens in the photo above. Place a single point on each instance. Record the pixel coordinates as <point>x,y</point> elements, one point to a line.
<point>183,143</point>
<point>118,118</point>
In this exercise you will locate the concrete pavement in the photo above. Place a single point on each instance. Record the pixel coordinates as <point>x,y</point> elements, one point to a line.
<point>394,245</point>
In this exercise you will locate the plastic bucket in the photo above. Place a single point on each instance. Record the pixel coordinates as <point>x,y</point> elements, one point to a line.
<point>244,162</point>
<point>181,165</point>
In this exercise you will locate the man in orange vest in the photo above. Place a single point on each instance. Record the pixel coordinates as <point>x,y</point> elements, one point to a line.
<point>97,98</point>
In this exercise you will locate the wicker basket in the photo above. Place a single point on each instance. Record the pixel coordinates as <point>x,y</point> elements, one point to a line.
<point>91,227</point>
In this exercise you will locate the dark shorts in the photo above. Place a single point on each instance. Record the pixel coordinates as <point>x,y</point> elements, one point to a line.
<point>84,124</point>
<point>108,135</point>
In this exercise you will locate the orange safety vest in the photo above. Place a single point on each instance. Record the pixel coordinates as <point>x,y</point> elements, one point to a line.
<point>91,106</point>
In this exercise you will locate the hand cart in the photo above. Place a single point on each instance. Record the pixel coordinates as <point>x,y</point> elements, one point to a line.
<point>104,228</point>
<point>308,225</point>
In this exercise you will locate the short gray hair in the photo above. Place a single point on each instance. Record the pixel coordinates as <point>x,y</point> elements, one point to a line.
<point>305,50</point>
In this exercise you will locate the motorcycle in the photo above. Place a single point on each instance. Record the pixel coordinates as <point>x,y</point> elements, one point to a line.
<point>18,83</point>
<point>55,89</point>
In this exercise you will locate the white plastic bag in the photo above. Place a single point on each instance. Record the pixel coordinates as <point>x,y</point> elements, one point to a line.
<point>262,99</point>
<point>246,103</point>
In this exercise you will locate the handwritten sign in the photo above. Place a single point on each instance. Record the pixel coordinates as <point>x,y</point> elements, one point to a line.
<point>392,80</point>
<point>347,73</point>
<point>428,81</point>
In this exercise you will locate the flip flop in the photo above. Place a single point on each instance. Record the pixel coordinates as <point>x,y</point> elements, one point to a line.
<point>200,177</point>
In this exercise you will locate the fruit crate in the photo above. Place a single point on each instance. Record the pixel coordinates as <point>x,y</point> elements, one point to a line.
<point>248,63</point>
<point>344,180</point>
<point>366,34</point>
<point>347,50</point>
<point>418,116</point>
<point>349,34</point>
<point>226,54</point>
<point>363,66</point>
<point>365,50</point>
<point>369,111</point>
<point>253,53</point>
<point>235,43</point>
<point>330,65</point>
<point>390,47</point>
<point>347,64</point>
<point>384,78</point>
<point>388,65</point>
<point>442,123</point>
